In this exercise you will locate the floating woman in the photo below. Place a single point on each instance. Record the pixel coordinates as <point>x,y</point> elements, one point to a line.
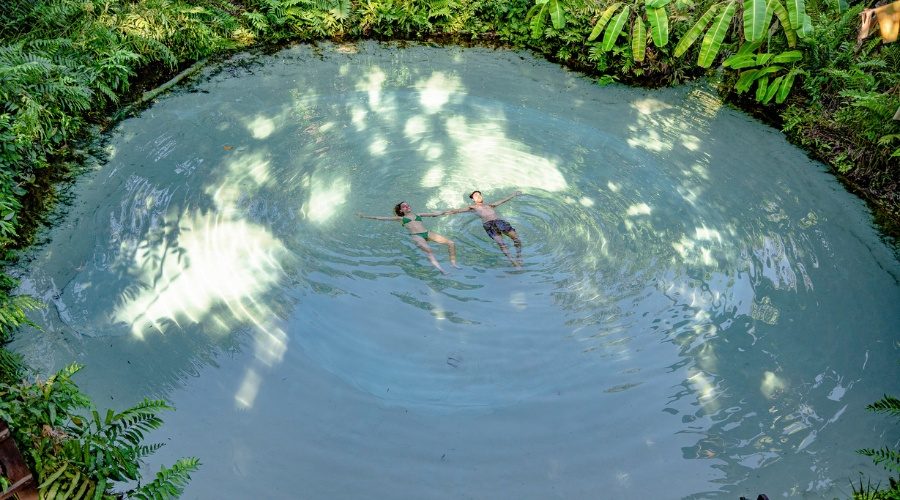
<point>420,236</point>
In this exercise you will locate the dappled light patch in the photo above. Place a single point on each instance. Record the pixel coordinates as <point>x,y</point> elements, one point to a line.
<point>218,266</point>
<point>372,84</point>
<point>772,384</point>
<point>326,196</point>
<point>261,127</point>
<point>437,91</point>
<point>248,171</point>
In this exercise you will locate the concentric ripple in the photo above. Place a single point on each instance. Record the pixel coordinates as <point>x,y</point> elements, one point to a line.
<point>699,302</point>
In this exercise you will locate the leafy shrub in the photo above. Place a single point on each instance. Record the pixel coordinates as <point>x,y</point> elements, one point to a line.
<point>886,457</point>
<point>84,456</point>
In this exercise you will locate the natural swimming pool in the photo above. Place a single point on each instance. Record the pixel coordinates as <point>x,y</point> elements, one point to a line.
<point>702,312</point>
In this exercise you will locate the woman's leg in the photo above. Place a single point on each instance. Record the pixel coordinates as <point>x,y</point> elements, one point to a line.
<point>421,243</point>
<point>451,246</point>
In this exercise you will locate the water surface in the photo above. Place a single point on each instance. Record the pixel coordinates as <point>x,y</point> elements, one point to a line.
<point>703,312</point>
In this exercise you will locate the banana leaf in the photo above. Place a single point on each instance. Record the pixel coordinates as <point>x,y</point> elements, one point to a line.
<point>756,19</point>
<point>762,85</point>
<point>782,14</point>
<point>537,22</point>
<point>557,14</point>
<point>773,89</point>
<point>615,29</point>
<point>659,25</point>
<point>712,41</point>
<point>745,81</point>
<point>788,57</point>
<point>740,61</point>
<point>838,6</point>
<point>607,15</point>
<point>657,4</point>
<point>638,40</point>
<point>796,10</point>
<point>806,28</point>
<point>696,30</point>
<point>785,87</point>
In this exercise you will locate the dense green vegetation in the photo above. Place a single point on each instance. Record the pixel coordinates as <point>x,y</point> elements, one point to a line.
<point>76,452</point>
<point>66,66</point>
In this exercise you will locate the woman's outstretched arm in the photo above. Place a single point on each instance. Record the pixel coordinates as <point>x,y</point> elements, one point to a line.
<point>450,211</point>
<point>445,212</point>
<point>378,217</point>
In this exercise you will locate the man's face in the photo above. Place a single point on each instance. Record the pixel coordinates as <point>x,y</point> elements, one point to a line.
<point>476,197</point>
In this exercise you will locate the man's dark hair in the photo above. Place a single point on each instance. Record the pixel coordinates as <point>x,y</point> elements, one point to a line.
<point>473,194</point>
<point>397,209</point>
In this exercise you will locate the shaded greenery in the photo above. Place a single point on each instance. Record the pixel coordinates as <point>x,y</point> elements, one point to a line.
<point>75,452</point>
<point>886,457</point>
<point>67,65</point>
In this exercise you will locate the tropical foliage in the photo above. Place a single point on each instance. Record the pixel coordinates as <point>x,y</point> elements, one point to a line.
<point>794,62</point>
<point>886,457</point>
<point>75,452</point>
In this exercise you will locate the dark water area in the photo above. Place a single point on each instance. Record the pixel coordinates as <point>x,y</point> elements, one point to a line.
<point>702,311</point>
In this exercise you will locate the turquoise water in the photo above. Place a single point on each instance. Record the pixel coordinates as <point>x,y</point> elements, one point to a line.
<point>703,312</point>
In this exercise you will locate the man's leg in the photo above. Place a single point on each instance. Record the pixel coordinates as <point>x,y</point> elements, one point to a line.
<point>499,239</point>
<point>517,242</point>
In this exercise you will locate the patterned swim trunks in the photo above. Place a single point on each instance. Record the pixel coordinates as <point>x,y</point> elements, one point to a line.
<point>497,227</point>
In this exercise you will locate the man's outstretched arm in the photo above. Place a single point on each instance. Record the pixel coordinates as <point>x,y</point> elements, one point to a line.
<point>504,200</point>
<point>451,211</point>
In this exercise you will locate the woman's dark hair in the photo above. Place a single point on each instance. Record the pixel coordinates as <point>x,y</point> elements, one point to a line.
<point>473,194</point>
<point>397,209</point>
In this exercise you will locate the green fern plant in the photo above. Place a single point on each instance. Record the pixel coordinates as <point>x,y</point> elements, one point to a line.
<point>886,457</point>
<point>169,482</point>
<point>13,314</point>
<point>83,457</point>
<point>11,368</point>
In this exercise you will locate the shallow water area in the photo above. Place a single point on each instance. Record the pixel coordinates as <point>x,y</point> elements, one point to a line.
<point>703,312</point>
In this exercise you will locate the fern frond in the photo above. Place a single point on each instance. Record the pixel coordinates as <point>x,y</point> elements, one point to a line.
<point>887,404</point>
<point>257,21</point>
<point>169,482</point>
<point>13,314</point>
<point>887,458</point>
<point>11,368</point>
